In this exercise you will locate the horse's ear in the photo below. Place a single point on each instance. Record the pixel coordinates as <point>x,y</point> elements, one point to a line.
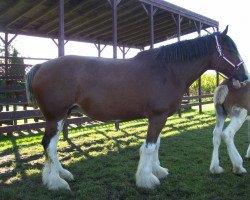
<point>225,31</point>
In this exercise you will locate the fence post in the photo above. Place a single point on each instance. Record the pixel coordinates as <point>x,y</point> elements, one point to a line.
<point>65,130</point>
<point>200,99</point>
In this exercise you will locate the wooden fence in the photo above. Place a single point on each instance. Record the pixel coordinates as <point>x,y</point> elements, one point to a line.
<point>17,117</point>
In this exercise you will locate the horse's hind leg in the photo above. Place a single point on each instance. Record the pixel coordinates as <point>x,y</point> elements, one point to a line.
<point>217,134</point>
<point>228,134</point>
<point>149,170</point>
<point>53,172</point>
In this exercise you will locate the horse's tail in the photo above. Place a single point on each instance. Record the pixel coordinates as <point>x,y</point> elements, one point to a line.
<point>28,84</point>
<point>220,95</point>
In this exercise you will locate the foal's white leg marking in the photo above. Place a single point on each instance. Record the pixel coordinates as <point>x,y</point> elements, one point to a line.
<point>158,171</point>
<point>248,150</point>
<point>217,133</point>
<point>144,176</point>
<point>52,166</point>
<point>228,135</point>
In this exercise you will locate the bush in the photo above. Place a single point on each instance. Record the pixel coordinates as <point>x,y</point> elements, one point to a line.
<point>208,84</point>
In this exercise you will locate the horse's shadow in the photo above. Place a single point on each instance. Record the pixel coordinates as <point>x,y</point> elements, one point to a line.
<point>112,171</point>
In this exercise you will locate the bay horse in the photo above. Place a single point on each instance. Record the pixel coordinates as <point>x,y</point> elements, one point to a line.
<point>234,103</point>
<point>150,85</point>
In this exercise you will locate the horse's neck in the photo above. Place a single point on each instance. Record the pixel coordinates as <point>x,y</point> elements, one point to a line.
<point>193,70</point>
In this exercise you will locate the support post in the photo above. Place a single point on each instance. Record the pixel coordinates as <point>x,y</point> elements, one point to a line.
<point>199,80</point>
<point>217,79</point>
<point>61,50</point>
<point>178,21</point>
<point>114,4</point>
<point>151,19</point>
<point>124,51</point>
<point>151,12</point>
<point>99,48</point>
<point>61,29</point>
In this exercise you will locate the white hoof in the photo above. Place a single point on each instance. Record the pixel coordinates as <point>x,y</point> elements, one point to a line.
<point>160,172</point>
<point>239,170</point>
<point>65,174</point>
<point>247,156</point>
<point>216,170</point>
<point>56,183</point>
<point>150,181</point>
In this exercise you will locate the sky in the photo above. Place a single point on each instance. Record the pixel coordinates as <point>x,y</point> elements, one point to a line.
<point>227,12</point>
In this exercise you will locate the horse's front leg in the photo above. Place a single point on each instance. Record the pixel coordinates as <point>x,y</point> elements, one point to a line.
<point>228,135</point>
<point>53,172</point>
<point>149,170</point>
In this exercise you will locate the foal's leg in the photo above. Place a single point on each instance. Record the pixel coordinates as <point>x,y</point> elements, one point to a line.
<point>228,135</point>
<point>53,171</point>
<point>149,169</point>
<point>248,150</point>
<point>217,133</point>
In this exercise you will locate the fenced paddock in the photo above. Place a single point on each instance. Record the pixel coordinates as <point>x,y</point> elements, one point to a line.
<point>104,162</point>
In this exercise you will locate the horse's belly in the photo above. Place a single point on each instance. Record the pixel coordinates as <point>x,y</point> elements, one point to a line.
<point>104,110</point>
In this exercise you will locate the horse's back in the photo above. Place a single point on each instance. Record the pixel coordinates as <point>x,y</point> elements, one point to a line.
<point>236,97</point>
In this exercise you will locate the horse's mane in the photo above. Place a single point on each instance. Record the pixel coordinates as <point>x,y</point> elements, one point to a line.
<point>188,49</point>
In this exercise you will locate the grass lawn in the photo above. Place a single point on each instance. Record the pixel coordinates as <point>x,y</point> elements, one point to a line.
<point>104,162</point>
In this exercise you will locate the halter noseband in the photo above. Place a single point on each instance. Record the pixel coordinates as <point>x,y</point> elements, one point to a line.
<point>221,55</point>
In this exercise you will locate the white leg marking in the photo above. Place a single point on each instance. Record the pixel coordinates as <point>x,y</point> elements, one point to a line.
<point>53,167</point>
<point>228,135</point>
<point>248,152</point>
<point>144,176</point>
<point>158,171</point>
<point>215,163</point>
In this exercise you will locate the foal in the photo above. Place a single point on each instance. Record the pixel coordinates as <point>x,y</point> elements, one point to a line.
<point>234,103</point>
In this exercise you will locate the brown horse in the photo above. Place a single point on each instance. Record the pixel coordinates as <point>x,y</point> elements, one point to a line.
<point>234,103</point>
<point>150,85</point>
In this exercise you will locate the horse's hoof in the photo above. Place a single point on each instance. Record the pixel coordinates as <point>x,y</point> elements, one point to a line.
<point>216,170</point>
<point>160,172</point>
<point>239,170</point>
<point>149,182</point>
<point>65,174</point>
<point>247,156</point>
<point>57,183</point>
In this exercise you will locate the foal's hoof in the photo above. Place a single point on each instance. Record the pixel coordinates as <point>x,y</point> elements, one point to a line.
<point>150,181</point>
<point>239,170</point>
<point>65,174</point>
<point>247,156</point>
<point>216,170</point>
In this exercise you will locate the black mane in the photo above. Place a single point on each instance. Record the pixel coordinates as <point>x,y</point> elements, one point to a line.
<point>189,49</point>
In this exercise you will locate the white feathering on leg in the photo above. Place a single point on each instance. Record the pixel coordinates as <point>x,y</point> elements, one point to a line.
<point>144,176</point>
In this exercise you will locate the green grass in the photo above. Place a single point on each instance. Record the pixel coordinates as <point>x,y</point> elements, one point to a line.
<point>104,162</point>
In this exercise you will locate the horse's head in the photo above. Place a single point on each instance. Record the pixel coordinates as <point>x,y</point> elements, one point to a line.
<point>227,58</point>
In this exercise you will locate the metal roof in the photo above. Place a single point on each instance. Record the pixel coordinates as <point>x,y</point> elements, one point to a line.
<point>91,20</point>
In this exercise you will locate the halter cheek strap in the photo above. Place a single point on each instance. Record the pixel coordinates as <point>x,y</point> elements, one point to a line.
<point>221,55</point>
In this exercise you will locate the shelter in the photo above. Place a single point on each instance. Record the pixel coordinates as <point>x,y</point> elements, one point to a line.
<point>124,24</point>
